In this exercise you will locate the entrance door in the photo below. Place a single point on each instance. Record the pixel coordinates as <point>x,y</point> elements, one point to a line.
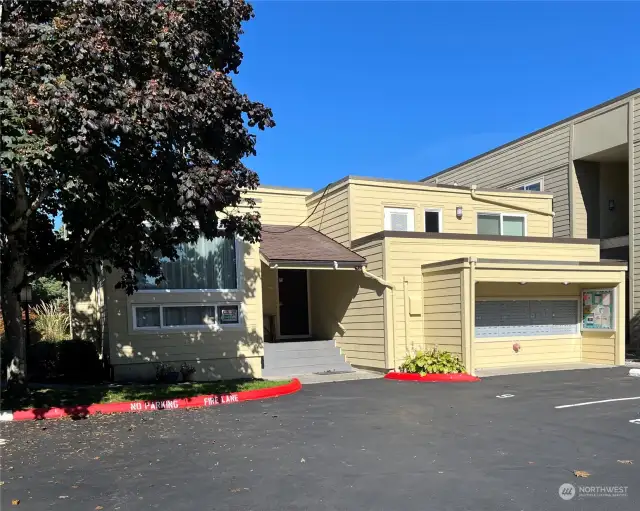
<point>294,303</point>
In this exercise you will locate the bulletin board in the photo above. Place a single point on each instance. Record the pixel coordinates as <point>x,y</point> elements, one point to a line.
<point>598,309</point>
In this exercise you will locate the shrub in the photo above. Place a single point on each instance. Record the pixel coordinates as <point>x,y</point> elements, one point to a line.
<point>187,370</point>
<point>432,362</point>
<point>166,373</point>
<point>51,322</point>
<point>74,361</point>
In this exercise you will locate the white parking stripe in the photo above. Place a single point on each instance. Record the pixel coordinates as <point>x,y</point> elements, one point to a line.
<point>598,402</point>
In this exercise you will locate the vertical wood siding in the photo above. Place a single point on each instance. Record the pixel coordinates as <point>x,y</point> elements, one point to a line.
<point>545,154</point>
<point>331,215</point>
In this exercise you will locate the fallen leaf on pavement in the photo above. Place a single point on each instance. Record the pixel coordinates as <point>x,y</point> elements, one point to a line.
<point>581,473</point>
<point>15,502</point>
<point>302,460</point>
<point>626,462</point>
<point>98,508</point>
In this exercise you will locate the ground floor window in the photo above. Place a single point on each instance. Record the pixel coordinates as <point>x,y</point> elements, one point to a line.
<point>525,318</point>
<point>160,317</point>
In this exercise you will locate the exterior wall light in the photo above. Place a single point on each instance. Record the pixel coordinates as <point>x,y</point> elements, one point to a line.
<point>458,212</point>
<point>612,204</point>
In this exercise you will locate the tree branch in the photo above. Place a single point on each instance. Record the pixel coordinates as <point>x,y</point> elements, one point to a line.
<point>54,264</point>
<point>34,205</point>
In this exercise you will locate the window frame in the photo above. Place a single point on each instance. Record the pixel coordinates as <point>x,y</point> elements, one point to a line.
<point>502,215</point>
<point>216,326</point>
<point>523,187</point>
<point>411,220</point>
<point>238,245</point>
<point>433,210</point>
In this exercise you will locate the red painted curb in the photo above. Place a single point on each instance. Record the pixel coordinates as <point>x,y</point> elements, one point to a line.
<point>431,377</point>
<point>166,404</point>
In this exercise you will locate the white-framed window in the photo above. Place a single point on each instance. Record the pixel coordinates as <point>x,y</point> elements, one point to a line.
<point>207,265</point>
<point>433,220</point>
<point>502,224</point>
<point>533,186</point>
<point>177,316</point>
<point>399,219</point>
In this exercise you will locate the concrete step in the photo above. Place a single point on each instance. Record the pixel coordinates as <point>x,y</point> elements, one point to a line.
<point>298,345</point>
<point>303,357</point>
<point>307,369</point>
<point>311,361</point>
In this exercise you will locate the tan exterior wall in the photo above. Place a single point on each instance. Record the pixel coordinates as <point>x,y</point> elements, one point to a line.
<point>404,257</point>
<point>600,131</point>
<point>491,354</point>
<point>369,198</point>
<point>598,347</point>
<point>592,347</point>
<point>634,227</point>
<point>443,311</point>
<point>349,307</point>
<point>281,206</point>
<point>545,155</point>
<point>233,352</point>
<point>330,215</point>
<point>614,185</point>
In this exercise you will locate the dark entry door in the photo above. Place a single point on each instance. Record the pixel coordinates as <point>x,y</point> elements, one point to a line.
<point>294,305</point>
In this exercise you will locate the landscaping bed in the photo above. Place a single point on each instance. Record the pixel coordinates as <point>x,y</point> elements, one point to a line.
<point>69,396</point>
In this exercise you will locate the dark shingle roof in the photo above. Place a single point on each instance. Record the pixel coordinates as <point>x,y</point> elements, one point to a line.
<point>286,243</point>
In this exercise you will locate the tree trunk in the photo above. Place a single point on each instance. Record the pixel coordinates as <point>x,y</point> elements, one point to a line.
<point>15,333</point>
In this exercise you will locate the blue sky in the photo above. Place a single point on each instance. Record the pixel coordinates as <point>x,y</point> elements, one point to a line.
<point>405,89</point>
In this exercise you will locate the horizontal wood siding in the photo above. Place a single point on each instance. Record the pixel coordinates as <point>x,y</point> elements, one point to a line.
<point>598,347</point>
<point>349,307</point>
<point>405,257</point>
<point>242,344</point>
<point>281,207</point>
<point>330,215</point>
<point>445,314</point>
<point>370,199</point>
<point>545,154</point>
<point>534,352</point>
<point>557,183</point>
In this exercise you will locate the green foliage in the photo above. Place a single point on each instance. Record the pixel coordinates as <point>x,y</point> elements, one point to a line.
<point>48,289</point>
<point>122,118</point>
<point>166,373</point>
<point>74,361</point>
<point>432,362</point>
<point>52,322</point>
<point>187,370</point>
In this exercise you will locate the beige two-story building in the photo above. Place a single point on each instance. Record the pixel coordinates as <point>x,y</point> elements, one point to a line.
<point>590,163</point>
<point>372,269</point>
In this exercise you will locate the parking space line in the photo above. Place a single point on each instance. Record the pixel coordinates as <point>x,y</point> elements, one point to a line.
<point>598,402</point>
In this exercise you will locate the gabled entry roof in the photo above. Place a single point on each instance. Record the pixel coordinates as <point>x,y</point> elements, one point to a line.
<point>288,245</point>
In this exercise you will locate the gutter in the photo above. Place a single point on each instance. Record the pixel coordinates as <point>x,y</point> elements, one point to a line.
<point>475,196</point>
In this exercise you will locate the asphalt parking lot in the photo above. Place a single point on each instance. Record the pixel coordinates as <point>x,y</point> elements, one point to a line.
<point>368,444</point>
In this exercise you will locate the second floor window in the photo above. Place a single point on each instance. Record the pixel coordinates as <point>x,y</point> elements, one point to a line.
<point>536,186</point>
<point>398,219</point>
<point>502,224</point>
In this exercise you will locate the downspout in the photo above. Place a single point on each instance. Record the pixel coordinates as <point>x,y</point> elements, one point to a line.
<point>474,196</point>
<point>405,288</point>
<point>472,318</point>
